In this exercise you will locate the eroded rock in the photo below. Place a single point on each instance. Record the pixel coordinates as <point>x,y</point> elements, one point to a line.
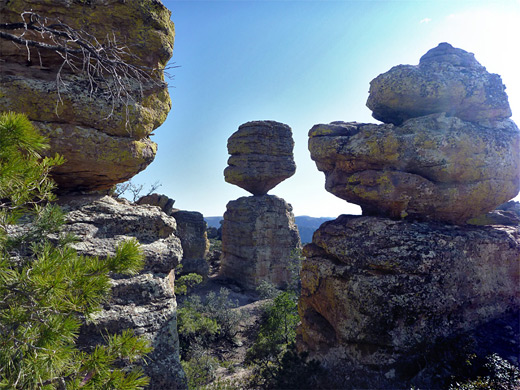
<point>259,237</point>
<point>447,80</point>
<point>104,141</point>
<point>261,156</point>
<point>378,293</point>
<point>191,229</point>
<point>434,167</point>
<point>144,303</point>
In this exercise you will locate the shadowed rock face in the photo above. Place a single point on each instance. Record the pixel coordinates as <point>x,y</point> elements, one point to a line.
<point>261,156</point>
<point>144,303</point>
<point>447,80</point>
<point>433,167</point>
<point>376,293</point>
<point>191,229</point>
<point>103,144</point>
<point>258,239</point>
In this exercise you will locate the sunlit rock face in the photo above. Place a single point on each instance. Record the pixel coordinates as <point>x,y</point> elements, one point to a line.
<point>378,294</point>
<point>447,80</point>
<point>259,238</point>
<point>432,167</point>
<point>447,152</point>
<point>261,156</point>
<point>104,141</point>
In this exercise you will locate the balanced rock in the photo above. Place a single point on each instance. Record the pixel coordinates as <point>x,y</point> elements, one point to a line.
<point>104,141</point>
<point>261,156</point>
<point>144,303</point>
<point>378,294</point>
<point>447,80</point>
<point>433,167</point>
<point>259,238</point>
<point>191,229</point>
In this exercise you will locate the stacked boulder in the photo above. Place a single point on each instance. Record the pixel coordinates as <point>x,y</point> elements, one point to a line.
<point>379,290</point>
<point>259,234</point>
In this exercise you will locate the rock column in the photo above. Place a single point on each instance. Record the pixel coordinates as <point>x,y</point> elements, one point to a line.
<point>258,233</point>
<point>380,291</point>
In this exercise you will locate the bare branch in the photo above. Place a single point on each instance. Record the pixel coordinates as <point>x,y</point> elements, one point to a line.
<point>106,65</point>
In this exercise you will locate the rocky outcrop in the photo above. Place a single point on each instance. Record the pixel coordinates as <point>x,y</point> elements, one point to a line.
<point>261,156</point>
<point>447,80</point>
<point>145,302</point>
<point>444,161</point>
<point>433,167</point>
<point>104,141</point>
<point>191,229</point>
<point>259,237</point>
<point>378,293</point>
<point>388,296</point>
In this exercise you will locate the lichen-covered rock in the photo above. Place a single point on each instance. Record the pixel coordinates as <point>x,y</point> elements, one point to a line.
<point>191,229</point>
<point>447,80</point>
<point>261,156</point>
<point>259,237</point>
<point>144,303</point>
<point>433,167</point>
<point>377,294</point>
<point>104,142</point>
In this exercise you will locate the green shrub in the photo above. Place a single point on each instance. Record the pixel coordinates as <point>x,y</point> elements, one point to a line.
<point>200,370</point>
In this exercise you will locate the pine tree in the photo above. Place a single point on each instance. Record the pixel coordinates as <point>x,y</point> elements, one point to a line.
<point>46,289</point>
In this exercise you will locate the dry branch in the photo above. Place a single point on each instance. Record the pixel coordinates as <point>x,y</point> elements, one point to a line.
<point>106,65</point>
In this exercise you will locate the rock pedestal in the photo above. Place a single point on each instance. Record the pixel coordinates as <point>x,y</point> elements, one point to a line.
<point>144,303</point>
<point>104,141</point>
<point>377,294</point>
<point>259,237</point>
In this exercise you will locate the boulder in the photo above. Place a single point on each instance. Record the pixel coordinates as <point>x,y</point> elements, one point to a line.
<point>259,238</point>
<point>104,141</point>
<point>447,80</point>
<point>378,294</point>
<point>162,201</point>
<point>261,156</point>
<point>144,303</point>
<point>433,167</point>
<point>191,229</point>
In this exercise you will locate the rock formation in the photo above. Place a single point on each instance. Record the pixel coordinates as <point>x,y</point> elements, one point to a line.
<point>146,302</point>
<point>433,167</point>
<point>258,232</point>
<point>104,141</point>
<point>379,294</point>
<point>376,293</point>
<point>261,156</point>
<point>191,229</point>
<point>259,237</point>
<point>162,201</point>
<point>436,166</point>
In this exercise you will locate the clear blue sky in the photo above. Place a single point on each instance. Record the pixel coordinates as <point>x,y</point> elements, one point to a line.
<point>301,63</point>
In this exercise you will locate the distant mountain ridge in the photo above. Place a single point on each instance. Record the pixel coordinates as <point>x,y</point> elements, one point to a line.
<point>306,225</point>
